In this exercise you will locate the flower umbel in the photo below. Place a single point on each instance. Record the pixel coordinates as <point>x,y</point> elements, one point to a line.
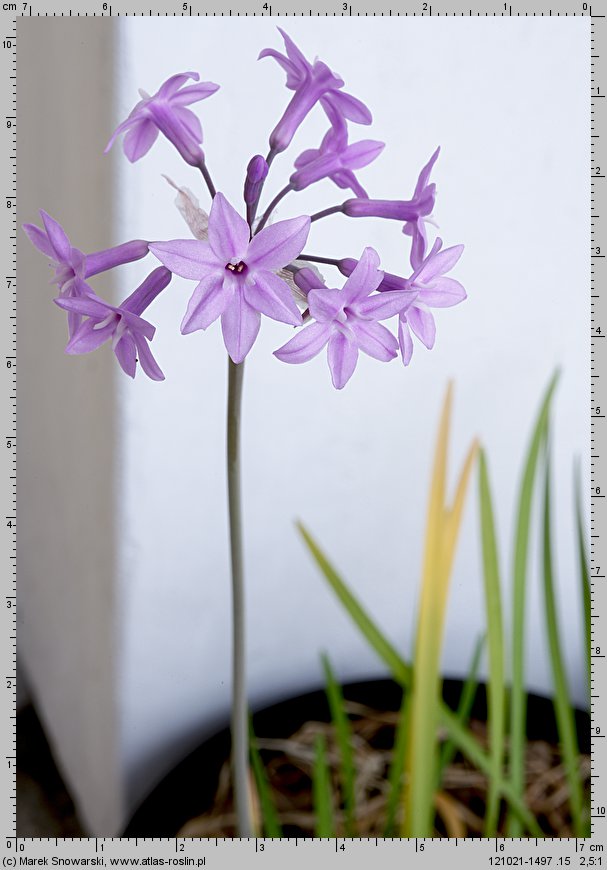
<point>347,320</point>
<point>237,275</point>
<point>166,112</point>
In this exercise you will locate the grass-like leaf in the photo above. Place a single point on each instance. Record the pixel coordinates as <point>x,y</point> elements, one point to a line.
<point>322,791</point>
<point>464,708</point>
<point>496,700</point>
<point>343,735</point>
<point>401,673</point>
<point>442,528</point>
<point>518,698</point>
<point>397,767</point>
<point>563,709</point>
<point>584,574</point>
<point>269,815</point>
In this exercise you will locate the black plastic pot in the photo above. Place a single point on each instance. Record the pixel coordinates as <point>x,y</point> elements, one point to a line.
<point>188,790</point>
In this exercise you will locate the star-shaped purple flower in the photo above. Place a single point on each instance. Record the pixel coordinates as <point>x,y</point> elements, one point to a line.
<point>122,325</point>
<point>347,320</point>
<point>335,159</point>
<point>237,274</point>
<point>166,112</point>
<point>417,228</point>
<point>312,83</point>
<point>434,290</point>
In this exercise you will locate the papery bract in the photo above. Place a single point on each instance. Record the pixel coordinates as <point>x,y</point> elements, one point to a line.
<point>237,275</point>
<point>347,320</point>
<point>166,112</point>
<point>122,324</point>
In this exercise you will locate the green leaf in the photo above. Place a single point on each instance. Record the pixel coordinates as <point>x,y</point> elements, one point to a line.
<point>343,735</point>
<point>321,789</point>
<point>269,815</point>
<point>565,717</point>
<point>496,699</point>
<point>518,698</point>
<point>401,672</point>
<point>464,708</point>
<point>584,574</point>
<point>397,767</point>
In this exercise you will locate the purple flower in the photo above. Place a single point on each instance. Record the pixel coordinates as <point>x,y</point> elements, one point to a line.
<point>335,159</point>
<point>166,112</point>
<point>416,228</point>
<point>434,290</point>
<point>312,83</point>
<point>237,275</point>
<point>393,209</point>
<point>71,266</point>
<point>346,320</point>
<point>389,282</point>
<point>257,171</point>
<point>128,332</point>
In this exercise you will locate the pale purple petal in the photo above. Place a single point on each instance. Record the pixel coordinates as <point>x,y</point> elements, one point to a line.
<point>383,305</point>
<point>375,340</point>
<point>325,304</point>
<point>365,278</point>
<point>194,93</point>
<point>306,344</point>
<point>126,354</point>
<point>342,357</point>
<point>361,153</point>
<point>294,54</point>
<point>345,179</point>
<point>293,74</point>
<point>443,293</point>
<point>190,121</point>
<point>172,84</point>
<point>87,305</point>
<point>439,263</point>
<point>39,239</point>
<point>208,302</point>
<point>86,338</point>
<point>422,324</point>
<point>137,324</point>
<point>240,326</point>
<point>101,261</point>
<point>278,244</point>
<point>228,232</point>
<point>424,175</point>
<point>271,296</point>
<point>405,341</point>
<point>57,237</point>
<point>134,118</point>
<point>189,258</point>
<point>348,106</point>
<point>147,361</point>
<point>306,157</point>
<point>140,139</point>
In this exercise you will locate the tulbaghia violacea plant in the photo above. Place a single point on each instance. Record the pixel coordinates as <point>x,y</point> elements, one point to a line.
<point>246,267</point>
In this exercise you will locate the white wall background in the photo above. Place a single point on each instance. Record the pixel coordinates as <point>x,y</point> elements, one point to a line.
<point>507,100</point>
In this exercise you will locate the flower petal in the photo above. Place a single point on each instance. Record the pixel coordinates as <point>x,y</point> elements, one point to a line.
<point>278,244</point>
<point>140,139</point>
<point>361,153</point>
<point>443,293</point>
<point>57,238</point>
<point>405,341</point>
<point>228,231</point>
<point>208,302</point>
<point>172,84</point>
<point>375,340</point>
<point>422,323</point>
<point>325,304</point>
<point>193,93</point>
<point>91,306</point>
<point>365,278</point>
<point>240,326</point>
<point>86,338</point>
<point>269,294</point>
<point>190,121</point>
<point>424,175</point>
<point>189,258</point>
<point>342,357</point>
<point>306,344</point>
<point>439,263</point>
<point>126,353</point>
<point>147,361</point>
<point>39,239</point>
<point>348,107</point>
<point>383,305</point>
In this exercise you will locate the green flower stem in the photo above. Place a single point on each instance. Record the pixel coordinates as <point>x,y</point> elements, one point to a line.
<point>240,747</point>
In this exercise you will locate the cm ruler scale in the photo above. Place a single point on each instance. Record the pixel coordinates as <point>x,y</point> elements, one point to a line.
<point>274,853</point>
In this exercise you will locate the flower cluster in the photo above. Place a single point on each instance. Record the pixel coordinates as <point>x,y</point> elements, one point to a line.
<point>246,266</point>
